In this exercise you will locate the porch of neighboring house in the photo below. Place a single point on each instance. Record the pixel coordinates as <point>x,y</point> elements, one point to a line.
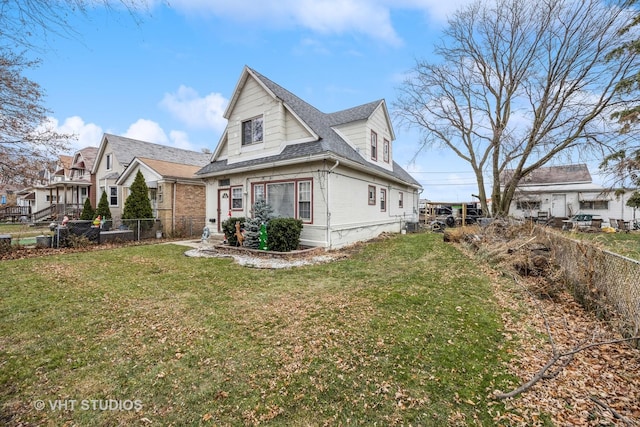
<point>65,198</point>
<point>14,213</point>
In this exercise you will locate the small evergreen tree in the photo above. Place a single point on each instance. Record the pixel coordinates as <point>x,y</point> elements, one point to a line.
<point>634,202</point>
<point>103,207</point>
<point>138,205</point>
<point>262,213</point>
<point>88,213</point>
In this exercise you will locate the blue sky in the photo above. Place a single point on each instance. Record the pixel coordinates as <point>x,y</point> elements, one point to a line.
<point>168,79</point>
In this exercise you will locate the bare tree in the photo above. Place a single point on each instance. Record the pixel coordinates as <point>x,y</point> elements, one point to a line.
<point>27,141</point>
<point>31,24</point>
<point>519,84</point>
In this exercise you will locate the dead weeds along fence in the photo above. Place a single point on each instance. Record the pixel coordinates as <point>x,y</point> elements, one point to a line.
<point>603,281</point>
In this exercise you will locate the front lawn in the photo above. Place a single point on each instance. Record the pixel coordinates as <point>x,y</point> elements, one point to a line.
<point>404,331</point>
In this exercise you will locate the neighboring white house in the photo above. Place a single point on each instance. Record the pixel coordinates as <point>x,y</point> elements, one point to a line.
<point>333,171</point>
<point>61,191</point>
<point>564,191</point>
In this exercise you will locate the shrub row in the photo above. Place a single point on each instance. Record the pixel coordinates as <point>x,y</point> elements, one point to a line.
<point>283,234</point>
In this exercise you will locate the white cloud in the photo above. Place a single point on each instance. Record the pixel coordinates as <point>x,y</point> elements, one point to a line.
<point>345,16</point>
<point>150,131</point>
<point>147,130</point>
<point>180,139</point>
<point>86,134</point>
<point>195,111</point>
<point>369,17</point>
<point>372,18</point>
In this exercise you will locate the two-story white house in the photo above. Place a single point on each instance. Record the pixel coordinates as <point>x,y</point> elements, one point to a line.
<point>334,171</point>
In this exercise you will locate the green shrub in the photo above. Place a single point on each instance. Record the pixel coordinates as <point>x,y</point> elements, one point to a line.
<point>88,213</point>
<point>283,234</point>
<point>229,229</point>
<point>138,206</point>
<point>103,207</point>
<point>262,213</point>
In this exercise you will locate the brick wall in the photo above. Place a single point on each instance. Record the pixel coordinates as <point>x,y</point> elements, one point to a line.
<point>190,203</point>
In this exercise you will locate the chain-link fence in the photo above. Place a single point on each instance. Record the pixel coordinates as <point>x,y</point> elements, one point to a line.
<point>183,226</point>
<point>189,226</point>
<point>142,228</point>
<point>602,281</point>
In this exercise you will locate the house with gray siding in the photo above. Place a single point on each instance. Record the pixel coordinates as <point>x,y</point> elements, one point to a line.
<point>334,171</point>
<point>116,154</point>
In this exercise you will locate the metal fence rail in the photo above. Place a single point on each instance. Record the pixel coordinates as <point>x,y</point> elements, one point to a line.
<point>189,226</point>
<point>183,226</point>
<point>602,281</point>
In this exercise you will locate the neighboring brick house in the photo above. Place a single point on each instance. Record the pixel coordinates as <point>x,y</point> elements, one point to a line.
<point>177,197</point>
<point>169,174</point>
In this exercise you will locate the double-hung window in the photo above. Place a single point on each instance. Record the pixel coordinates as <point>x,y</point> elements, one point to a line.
<point>304,200</point>
<point>252,131</point>
<point>236,198</point>
<point>383,199</point>
<point>113,196</point>
<point>372,194</point>
<point>374,146</point>
<point>401,199</point>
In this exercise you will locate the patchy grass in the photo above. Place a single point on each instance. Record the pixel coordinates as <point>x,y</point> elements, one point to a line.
<point>405,331</point>
<point>626,244</point>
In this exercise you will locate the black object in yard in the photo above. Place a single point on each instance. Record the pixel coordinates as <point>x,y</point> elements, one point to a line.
<point>412,227</point>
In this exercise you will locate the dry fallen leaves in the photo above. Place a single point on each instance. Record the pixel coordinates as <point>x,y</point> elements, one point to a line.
<point>598,386</point>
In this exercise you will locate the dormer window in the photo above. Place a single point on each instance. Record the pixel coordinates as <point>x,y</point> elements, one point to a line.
<point>374,146</point>
<point>252,131</point>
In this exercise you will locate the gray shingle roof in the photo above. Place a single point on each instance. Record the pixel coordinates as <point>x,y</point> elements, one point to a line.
<point>126,149</point>
<point>321,123</point>
<point>578,173</point>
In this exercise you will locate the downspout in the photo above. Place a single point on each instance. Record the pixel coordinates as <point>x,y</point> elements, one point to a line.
<point>173,207</point>
<point>328,202</point>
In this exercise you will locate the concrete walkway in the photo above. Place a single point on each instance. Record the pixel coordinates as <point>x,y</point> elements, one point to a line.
<point>214,238</point>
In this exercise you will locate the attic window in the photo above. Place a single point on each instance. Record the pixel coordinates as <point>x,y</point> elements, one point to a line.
<point>385,150</point>
<point>252,131</point>
<point>374,146</point>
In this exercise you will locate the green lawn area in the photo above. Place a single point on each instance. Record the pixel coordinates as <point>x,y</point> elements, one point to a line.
<point>627,244</point>
<point>403,332</point>
<point>20,231</point>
